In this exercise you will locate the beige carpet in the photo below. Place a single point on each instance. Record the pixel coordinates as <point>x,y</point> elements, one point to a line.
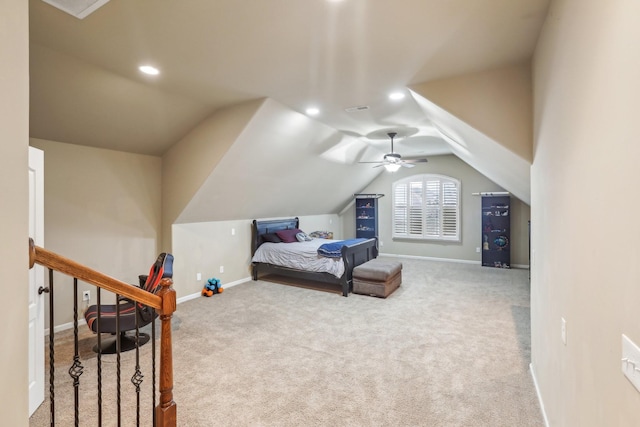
<point>450,347</point>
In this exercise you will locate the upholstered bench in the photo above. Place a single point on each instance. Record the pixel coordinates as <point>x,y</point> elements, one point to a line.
<point>377,277</point>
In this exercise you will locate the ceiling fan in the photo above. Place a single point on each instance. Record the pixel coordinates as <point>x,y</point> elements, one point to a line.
<point>393,161</point>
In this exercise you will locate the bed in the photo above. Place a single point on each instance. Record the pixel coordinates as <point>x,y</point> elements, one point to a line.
<point>338,271</point>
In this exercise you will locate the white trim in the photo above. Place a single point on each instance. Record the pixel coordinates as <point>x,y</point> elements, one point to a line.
<point>69,325</point>
<point>429,258</point>
<point>521,266</point>
<point>461,261</point>
<point>199,294</point>
<point>188,297</point>
<point>64,327</point>
<point>535,384</point>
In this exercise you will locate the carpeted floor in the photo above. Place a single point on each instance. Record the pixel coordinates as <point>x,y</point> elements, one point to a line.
<point>450,347</point>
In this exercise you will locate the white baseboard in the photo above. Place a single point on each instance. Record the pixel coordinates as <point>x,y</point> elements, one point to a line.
<point>461,261</point>
<point>429,258</point>
<point>535,383</point>
<point>69,325</point>
<point>520,266</point>
<point>65,326</point>
<point>199,294</point>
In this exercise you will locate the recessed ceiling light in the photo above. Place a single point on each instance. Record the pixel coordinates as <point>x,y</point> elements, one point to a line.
<point>396,95</point>
<point>148,69</point>
<point>312,111</point>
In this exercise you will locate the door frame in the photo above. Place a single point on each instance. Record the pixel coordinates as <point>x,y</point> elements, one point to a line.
<point>36,280</point>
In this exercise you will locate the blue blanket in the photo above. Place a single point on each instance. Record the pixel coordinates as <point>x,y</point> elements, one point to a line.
<point>334,249</point>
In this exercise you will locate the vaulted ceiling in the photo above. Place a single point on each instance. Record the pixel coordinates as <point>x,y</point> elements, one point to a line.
<point>332,54</point>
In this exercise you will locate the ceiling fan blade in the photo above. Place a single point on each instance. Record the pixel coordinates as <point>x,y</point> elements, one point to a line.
<point>394,158</point>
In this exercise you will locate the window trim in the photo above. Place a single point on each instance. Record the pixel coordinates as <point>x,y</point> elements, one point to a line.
<point>402,216</point>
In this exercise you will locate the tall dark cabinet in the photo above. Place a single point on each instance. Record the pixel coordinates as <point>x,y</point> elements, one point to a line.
<point>496,231</point>
<point>367,215</point>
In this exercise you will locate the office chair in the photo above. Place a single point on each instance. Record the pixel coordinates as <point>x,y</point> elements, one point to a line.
<point>129,311</point>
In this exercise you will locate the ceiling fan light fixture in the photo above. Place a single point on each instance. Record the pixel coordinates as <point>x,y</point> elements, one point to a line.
<point>392,167</point>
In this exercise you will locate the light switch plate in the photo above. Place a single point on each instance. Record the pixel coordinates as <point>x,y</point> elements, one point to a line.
<point>631,361</point>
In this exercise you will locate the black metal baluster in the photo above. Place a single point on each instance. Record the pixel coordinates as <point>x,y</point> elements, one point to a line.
<point>118,358</point>
<point>137,377</point>
<point>52,391</point>
<point>76,368</point>
<point>99,361</point>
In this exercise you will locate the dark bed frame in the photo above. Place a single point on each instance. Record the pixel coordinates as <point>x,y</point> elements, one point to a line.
<point>353,255</point>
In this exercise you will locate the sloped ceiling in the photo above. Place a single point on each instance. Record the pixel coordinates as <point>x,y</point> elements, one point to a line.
<point>492,159</point>
<point>86,88</point>
<point>265,173</point>
<point>212,54</point>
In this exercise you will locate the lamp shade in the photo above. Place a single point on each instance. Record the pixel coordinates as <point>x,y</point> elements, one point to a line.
<point>392,167</point>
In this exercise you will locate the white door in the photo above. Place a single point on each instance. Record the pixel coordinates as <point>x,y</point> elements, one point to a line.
<point>36,279</point>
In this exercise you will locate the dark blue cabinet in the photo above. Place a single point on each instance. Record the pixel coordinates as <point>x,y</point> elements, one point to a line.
<point>496,231</point>
<point>367,215</point>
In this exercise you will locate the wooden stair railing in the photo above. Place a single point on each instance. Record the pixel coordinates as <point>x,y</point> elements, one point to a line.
<point>164,302</point>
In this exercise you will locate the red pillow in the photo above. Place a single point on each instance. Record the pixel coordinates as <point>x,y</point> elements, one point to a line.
<point>288,236</point>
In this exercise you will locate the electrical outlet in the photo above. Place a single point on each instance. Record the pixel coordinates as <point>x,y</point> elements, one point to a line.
<point>86,296</point>
<point>198,276</point>
<point>631,361</point>
<point>222,269</point>
<point>478,250</point>
<point>563,331</point>
<point>233,231</point>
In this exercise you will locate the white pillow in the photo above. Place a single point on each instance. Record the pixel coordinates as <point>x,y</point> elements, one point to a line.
<point>302,237</point>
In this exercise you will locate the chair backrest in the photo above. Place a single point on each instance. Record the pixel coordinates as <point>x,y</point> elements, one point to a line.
<point>163,267</point>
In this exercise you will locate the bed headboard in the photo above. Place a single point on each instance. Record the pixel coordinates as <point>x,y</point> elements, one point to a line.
<point>269,226</point>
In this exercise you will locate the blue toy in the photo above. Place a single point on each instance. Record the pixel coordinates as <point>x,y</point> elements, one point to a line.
<point>213,286</point>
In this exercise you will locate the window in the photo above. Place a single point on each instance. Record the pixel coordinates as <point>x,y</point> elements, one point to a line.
<point>427,207</point>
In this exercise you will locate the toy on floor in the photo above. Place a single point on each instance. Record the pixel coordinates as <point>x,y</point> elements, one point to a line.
<point>213,286</point>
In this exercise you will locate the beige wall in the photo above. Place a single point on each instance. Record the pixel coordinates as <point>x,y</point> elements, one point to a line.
<point>102,209</point>
<point>584,211</point>
<point>14,141</point>
<point>471,182</point>
<point>187,164</point>
<point>204,247</point>
<point>497,102</point>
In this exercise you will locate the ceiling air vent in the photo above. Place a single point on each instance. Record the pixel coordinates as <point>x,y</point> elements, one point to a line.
<point>78,8</point>
<point>358,108</point>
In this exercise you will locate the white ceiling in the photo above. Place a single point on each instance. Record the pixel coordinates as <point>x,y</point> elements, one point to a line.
<point>86,88</point>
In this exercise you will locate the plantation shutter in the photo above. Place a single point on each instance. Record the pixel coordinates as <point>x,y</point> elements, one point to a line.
<point>415,208</point>
<point>449,210</point>
<point>432,217</point>
<point>400,209</point>
<point>426,207</point>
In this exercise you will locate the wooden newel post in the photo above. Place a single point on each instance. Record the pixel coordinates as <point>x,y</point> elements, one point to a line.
<point>32,253</point>
<point>166,411</point>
